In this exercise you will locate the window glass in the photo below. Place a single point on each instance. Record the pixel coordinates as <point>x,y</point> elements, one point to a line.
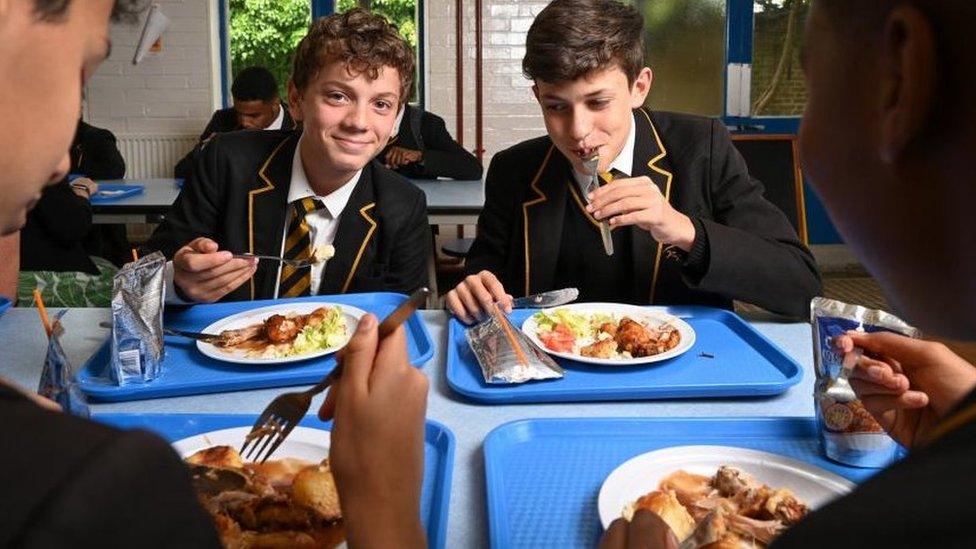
<point>265,33</point>
<point>778,88</point>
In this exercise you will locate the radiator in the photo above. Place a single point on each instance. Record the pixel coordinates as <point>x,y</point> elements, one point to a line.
<point>152,156</point>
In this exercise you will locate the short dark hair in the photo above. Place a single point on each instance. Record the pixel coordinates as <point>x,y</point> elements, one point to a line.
<point>572,38</point>
<point>364,41</point>
<point>52,11</point>
<point>254,84</point>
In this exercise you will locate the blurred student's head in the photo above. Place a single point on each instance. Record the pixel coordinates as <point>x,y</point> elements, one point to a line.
<point>256,100</point>
<point>888,139</point>
<point>586,58</point>
<point>48,49</point>
<point>351,74</point>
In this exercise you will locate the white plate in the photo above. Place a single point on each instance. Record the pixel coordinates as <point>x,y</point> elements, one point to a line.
<point>619,310</point>
<point>642,474</point>
<point>255,316</point>
<point>303,443</point>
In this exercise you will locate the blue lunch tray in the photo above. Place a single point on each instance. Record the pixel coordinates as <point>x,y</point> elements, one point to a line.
<point>118,190</point>
<point>4,304</point>
<point>544,475</point>
<point>438,454</point>
<point>186,371</point>
<point>744,363</point>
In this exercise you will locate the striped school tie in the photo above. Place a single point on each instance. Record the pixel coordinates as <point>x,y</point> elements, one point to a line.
<point>614,173</point>
<point>298,245</point>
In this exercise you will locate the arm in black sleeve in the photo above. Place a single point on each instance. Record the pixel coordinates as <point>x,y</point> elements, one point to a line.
<point>133,491</point>
<point>185,166</point>
<point>443,157</point>
<point>754,254</point>
<point>65,216</point>
<point>408,262</point>
<point>101,158</point>
<point>498,219</point>
<point>198,208</point>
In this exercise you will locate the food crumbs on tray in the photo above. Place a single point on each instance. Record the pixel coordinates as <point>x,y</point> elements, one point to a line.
<point>706,355</point>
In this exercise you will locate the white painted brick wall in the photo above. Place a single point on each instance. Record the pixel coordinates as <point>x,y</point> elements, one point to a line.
<point>170,92</point>
<point>511,113</point>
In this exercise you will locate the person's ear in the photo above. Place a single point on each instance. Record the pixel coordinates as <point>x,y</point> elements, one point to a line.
<point>535,91</point>
<point>909,80</point>
<point>641,87</point>
<point>294,102</point>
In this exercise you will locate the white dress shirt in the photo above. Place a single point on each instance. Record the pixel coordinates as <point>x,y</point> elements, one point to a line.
<point>624,161</point>
<point>276,125</point>
<point>322,223</point>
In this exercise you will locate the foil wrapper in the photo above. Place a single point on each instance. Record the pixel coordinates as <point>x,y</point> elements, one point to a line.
<point>506,355</point>
<point>138,295</point>
<point>848,432</point>
<point>58,377</point>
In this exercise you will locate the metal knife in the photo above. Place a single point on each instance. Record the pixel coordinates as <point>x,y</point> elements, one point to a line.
<point>546,299</point>
<point>206,338</point>
<point>592,166</point>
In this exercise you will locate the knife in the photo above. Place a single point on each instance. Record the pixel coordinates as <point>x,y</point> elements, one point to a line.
<point>546,299</point>
<point>592,166</point>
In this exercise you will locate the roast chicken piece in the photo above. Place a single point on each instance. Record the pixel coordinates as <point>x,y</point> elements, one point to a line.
<point>634,338</point>
<point>232,338</point>
<point>604,348</point>
<point>282,329</point>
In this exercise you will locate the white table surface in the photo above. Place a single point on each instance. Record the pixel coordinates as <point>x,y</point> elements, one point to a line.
<point>22,355</point>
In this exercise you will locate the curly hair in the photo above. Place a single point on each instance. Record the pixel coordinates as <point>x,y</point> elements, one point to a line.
<point>52,11</point>
<point>572,38</point>
<point>363,41</point>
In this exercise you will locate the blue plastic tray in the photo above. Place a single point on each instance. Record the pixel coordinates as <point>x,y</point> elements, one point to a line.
<point>126,191</point>
<point>544,475</point>
<point>186,371</point>
<point>4,305</point>
<point>438,463</point>
<point>744,364</point>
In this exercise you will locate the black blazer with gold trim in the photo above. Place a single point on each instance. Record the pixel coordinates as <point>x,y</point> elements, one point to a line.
<point>754,253</point>
<point>238,196</point>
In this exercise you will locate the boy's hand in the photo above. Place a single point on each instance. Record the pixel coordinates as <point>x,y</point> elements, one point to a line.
<point>638,201</point>
<point>474,296</point>
<point>205,274</point>
<point>400,156</point>
<point>377,451</point>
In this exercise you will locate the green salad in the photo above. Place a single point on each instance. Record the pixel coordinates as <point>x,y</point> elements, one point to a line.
<point>328,333</point>
<point>581,324</point>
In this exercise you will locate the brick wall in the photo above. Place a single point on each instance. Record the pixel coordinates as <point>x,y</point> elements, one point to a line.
<point>171,92</point>
<point>511,113</point>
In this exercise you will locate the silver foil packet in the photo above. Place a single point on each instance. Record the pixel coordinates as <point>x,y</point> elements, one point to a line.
<point>138,295</point>
<point>506,355</point>
<point>58,377</point>
<point>848,432</point>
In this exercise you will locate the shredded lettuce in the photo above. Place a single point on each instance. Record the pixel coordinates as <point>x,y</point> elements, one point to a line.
<point>328,333</point>
<point>578,323</point>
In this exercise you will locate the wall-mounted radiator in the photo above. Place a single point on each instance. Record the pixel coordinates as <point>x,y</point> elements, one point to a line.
<point>151,156</point>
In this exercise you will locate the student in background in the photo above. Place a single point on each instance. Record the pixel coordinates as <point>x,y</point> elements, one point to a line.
<point>421,148</point>
<point>257,106</point>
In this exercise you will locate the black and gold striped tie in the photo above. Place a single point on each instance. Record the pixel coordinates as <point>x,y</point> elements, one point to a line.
<point>609,176</point>
<point>298,245</point>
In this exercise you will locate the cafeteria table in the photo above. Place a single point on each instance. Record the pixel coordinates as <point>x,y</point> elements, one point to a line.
<point>467,525</point>
<point>449,202</point>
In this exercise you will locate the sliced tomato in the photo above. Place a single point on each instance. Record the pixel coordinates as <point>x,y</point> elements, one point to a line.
<point>561,339</point>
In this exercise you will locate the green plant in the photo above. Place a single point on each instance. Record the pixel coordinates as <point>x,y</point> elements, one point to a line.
<point>265,33</point>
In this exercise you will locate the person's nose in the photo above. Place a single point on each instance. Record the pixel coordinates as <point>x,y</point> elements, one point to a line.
<point>580,127</point>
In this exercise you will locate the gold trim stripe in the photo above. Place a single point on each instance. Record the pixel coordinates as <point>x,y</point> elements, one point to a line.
<point>250,201</point>
<point>652,164</point>
<point>525,213</point>
<point>950,424</point>
<point>362,247</point>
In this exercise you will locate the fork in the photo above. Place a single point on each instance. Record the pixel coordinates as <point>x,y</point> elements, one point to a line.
<point>285,411</point>
<point>296,263</point>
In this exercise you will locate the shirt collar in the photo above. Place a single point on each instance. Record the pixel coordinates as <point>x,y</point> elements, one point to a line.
<point>278,122</point>
<point>624,161</point>
<point>300,188</point>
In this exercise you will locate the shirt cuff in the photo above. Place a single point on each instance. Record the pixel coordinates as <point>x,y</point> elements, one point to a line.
<point>696,263</point>
<point>172,297</point>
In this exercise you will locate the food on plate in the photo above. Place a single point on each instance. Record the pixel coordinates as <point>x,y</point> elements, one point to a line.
<point>727,510</point>
<point>288,335</point>
<point>599,335</point>
<point>322,253</point>
<point>282,503</point>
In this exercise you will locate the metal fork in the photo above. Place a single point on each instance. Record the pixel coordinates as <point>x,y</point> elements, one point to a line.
<point>296,263</point>
<point>285,411</point>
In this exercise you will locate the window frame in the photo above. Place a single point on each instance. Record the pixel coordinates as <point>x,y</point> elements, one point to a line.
<point>319,8</point>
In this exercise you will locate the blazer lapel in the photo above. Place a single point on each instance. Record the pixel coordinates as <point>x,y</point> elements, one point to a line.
<point>267,205</point>
<point>650,159</point>
<point>357,227</point>
<point>543,214</point>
